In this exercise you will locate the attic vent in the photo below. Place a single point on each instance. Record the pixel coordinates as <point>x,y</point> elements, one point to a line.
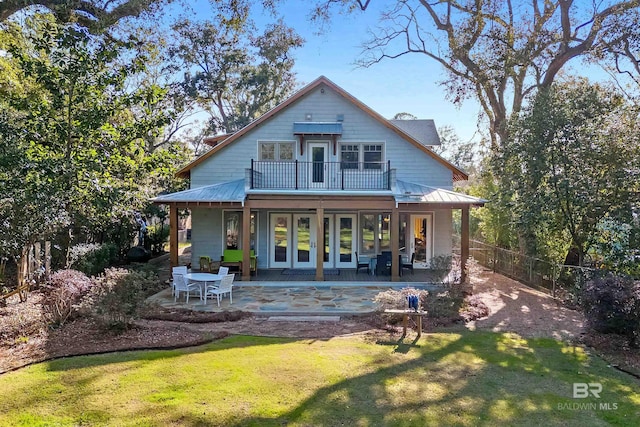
<point>340,118</point>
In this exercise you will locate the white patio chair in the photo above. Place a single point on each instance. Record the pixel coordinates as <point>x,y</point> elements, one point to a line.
<point>181,284</point>
<point>223,271</point>
<point>177,270</point>
<point>225,286</point>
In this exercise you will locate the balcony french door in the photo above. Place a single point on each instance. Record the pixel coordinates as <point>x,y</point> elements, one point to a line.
<point>318,151</point>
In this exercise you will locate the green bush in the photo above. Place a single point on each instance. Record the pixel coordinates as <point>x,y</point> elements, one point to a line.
<point>444,307</point>
<point>119,294</point>
<point>92,259</point>
<point>612,305</point>
<point>157,237</point>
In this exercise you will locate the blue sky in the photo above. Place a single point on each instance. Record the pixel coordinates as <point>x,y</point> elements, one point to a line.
<point>408,84</point>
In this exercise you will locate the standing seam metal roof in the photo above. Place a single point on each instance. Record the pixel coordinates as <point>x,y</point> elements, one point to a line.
<point>408,192</point>
<point>232,191</point>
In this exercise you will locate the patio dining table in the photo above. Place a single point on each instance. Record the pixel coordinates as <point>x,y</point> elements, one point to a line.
<point>202,279</point>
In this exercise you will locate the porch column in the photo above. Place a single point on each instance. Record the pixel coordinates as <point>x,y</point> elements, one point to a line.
<point>246,243</point>
<point>173,234</point>
<point>394,231</point>
<point>464,243</point>
<point>319,244</point>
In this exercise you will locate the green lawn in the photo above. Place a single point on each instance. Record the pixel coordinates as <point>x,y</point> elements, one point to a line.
<point>467,378</point>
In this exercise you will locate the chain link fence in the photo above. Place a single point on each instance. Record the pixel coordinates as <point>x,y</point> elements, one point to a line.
<point>563,282</point>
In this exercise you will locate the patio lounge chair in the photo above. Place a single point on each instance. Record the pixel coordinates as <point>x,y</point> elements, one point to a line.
<point>225,286</point>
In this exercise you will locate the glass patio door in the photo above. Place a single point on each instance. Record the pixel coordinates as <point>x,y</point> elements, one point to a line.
<point>280,238</point>
<point>327,242</point>
<point>344,242</point>
<point>305,244</point>
<point>421,240</point>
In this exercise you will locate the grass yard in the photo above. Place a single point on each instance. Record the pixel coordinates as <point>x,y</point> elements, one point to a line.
<point>466,378</point>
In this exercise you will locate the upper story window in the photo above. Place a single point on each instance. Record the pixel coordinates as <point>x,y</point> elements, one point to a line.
<point>276,150</point>
<point>368,154</point>
<point>372,156</point>
<point>349,156</point>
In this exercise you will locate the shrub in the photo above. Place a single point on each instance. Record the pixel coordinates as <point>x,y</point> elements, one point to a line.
<point>157,237</point>
<point>92,259</point>
<point>119,294</point>
<point>444,307</point>
<point>612,305</point>
<point>473,308</point>
<point>394,299</point>
<point>62,294</point>
<point>441,262</point>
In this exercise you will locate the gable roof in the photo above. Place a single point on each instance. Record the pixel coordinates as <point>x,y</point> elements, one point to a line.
<point>458,174</point>
<point>424,130</point>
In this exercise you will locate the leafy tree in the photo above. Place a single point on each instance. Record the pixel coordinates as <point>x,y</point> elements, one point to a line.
<point>462,154</point>
<point>234,75</point>
<point>75,136</point>
<point>572,162</point>
<point>495,51</point>
<point>93,14</point>
<point>101,15</point>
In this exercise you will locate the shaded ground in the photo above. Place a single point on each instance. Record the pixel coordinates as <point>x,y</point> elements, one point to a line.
<point>526,311</point>
<point>513,307</point>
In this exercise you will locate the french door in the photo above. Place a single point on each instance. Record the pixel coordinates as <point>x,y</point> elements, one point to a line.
<point>280,240</point>
<point>345,241</point>
<point>305,244</point>
<point>421,239</point>
<point>318,153</point>
<point>294,242</point>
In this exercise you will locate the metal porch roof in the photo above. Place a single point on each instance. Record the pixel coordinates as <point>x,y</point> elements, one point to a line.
<point>408,192</point>
<point>232,191</point>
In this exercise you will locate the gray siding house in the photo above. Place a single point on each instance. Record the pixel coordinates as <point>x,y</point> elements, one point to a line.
<point>318,179</point>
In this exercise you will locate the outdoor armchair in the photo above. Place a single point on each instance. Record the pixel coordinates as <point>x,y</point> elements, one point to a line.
<point>181,284</point>
<point>225,286</point>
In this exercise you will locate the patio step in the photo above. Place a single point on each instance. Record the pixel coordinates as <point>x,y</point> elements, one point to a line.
<point>304,318</point>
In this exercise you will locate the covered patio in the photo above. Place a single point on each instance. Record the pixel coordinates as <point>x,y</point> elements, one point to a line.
<point>404,201</point>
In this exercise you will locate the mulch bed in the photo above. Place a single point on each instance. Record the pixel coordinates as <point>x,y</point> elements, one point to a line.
<point>32,341</point>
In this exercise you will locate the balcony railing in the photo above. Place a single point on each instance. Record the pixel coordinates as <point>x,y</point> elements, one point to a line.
<point>297,175</point>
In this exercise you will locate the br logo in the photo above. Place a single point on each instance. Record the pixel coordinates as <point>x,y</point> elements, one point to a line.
<point>583,390</point>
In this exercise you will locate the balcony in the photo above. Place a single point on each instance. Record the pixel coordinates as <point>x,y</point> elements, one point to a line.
<point>297,175</point>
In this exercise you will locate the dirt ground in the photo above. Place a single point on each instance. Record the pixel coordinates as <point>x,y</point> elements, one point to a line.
<point>513,308</point>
